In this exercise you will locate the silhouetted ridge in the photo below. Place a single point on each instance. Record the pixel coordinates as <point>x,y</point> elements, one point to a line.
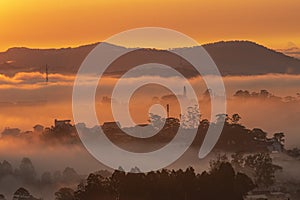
<point>232,58</point>
<point>249,58</point>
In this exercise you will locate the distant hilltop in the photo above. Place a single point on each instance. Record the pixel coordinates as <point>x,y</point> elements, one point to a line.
<point>232,58</point>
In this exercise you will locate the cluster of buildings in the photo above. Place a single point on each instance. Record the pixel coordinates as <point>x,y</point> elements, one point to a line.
<point>266,195</point>
<point>37,129</point>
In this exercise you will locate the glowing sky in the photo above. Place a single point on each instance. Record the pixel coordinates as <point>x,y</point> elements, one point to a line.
<point>55,23</point>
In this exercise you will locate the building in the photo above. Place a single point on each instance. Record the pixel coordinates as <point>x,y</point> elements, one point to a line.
<point>256,197</point>
<point>63,127</point>
<point>142,125</point>
<point>38,128</point>
<point>62,123</point>
<point>11,132</point>
<point>279,196</point>
<point>274,145</point>
<point>267,195</point>
<point>110,126</point>
<point>27,134</point>
<point>172,122</point>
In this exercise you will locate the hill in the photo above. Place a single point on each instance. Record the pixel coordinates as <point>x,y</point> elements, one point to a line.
<point>232,58</point>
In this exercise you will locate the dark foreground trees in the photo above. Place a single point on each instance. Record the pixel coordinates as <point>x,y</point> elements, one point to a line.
<point>221,183</point>
<point>65,193</point>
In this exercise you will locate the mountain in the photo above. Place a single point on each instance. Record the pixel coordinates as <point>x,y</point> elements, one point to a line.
<point>65,60</point>
<point>232,58</point>
<point>249,58</point>
<point>293,52</point>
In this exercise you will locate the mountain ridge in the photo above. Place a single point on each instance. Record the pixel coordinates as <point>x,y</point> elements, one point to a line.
<point>232,57</point>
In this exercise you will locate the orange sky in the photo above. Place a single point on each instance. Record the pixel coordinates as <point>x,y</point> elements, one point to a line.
<point>55,23</point>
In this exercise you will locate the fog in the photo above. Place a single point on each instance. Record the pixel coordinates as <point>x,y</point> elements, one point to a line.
<point>57,157</point>
<point>25,107</point>
<point>38,103</point>
<point>52,158</point>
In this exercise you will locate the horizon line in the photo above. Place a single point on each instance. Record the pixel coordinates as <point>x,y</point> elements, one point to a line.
<point>96,43</point>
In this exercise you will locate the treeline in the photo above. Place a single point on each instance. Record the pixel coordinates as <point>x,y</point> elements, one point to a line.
<point>27,176</point>
<point>227,178</point>
<point>265,95</point>
<point>222,181</point>
<point>235,137</point>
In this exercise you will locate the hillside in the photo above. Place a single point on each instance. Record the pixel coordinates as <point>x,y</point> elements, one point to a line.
<point>232,58</point>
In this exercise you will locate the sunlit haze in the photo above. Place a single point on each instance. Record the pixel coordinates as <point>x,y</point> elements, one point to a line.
<point>49,24</point>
